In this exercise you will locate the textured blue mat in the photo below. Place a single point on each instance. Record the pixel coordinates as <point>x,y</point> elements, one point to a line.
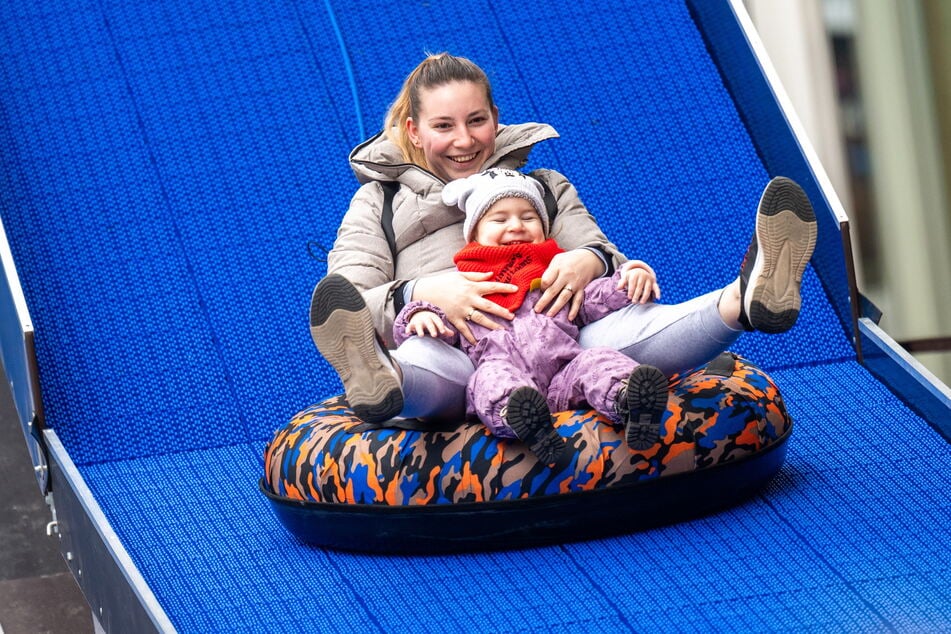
<point>169,170</point>
<point>851,536</point>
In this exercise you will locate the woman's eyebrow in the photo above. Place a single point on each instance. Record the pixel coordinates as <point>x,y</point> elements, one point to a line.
<point>446,117</point>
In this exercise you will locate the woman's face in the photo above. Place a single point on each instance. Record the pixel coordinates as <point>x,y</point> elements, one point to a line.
<point>510,220</point>
<point>455,129</point>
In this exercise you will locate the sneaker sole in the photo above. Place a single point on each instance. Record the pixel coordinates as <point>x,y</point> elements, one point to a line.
<point>786,233</point>
<point>647,402</point>
<point>529,417</point>
<point>342,329</point>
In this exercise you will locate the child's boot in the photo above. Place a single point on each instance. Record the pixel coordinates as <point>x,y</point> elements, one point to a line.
<point>642,402</point>
<point>528,415</point>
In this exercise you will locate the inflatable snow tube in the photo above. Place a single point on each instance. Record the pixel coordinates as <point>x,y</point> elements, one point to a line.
<point>334,481</point>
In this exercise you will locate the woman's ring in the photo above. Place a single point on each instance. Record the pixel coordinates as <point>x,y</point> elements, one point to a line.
<point>469,316</point>
<point>569,289</point>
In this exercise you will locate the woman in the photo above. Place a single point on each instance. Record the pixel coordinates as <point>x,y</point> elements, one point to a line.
<point>444,126</point>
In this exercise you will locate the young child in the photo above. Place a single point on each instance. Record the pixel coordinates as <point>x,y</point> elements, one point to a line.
<point>534,365</point>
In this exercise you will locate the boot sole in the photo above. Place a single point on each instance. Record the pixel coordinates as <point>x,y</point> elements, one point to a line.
<point>647,402</point>
<point>786,233</point>
<point>529,417</point>
<point>342,329</point>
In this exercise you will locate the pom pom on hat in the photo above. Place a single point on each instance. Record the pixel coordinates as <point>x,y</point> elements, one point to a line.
<point>475,194</point>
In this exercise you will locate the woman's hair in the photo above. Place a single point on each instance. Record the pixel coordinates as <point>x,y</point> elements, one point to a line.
<point>434,71</point>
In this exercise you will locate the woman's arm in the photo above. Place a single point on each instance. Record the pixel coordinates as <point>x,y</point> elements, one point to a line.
<point>574,228</point>
<point>362,255</point>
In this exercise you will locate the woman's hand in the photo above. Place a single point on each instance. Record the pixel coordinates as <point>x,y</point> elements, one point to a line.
<point>564,281</point>
<point>461,297</point>
<point>640,282</point>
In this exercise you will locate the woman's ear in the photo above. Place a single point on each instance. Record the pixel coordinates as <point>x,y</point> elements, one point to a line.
<point>413,131</point>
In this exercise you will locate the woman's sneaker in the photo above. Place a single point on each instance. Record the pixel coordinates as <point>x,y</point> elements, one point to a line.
<point>782,244</point>
<point>528,415</point>
<point>642,403</point>
<point>342,328</point>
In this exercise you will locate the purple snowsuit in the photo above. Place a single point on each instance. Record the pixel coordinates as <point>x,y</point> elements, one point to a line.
<point>541,352</point>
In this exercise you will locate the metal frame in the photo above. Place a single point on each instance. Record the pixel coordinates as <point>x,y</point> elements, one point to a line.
<point>120,598</point>
<point>18,354</point>
<point>921,390</point>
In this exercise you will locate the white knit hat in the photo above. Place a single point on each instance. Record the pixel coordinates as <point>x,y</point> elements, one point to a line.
<point>475,194</point>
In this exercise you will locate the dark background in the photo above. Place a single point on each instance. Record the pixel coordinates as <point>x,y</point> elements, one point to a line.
<point>37,591</point>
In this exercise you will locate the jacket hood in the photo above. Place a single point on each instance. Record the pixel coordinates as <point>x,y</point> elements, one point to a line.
<point>379,159</point>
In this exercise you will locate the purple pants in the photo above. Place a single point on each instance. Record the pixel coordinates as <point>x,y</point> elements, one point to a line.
<point>543,353</point>
<point>532,350</point>
<point>592,378</point>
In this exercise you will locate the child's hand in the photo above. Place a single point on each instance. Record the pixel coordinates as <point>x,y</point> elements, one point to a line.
<point>426,322</point>
<point>639,281</point>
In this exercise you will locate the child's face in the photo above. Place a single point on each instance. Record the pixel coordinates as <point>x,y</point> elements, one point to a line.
<point>510,221</point>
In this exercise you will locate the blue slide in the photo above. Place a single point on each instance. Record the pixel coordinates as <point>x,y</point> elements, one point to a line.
<point>171,172</point>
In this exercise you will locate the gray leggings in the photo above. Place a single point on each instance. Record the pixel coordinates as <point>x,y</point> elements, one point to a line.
<point>671,337</point>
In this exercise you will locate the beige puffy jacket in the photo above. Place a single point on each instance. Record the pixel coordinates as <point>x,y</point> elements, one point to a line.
<point>428,232</point>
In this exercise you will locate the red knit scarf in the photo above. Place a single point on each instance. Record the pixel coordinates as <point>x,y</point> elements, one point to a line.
<point>517,264</point>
